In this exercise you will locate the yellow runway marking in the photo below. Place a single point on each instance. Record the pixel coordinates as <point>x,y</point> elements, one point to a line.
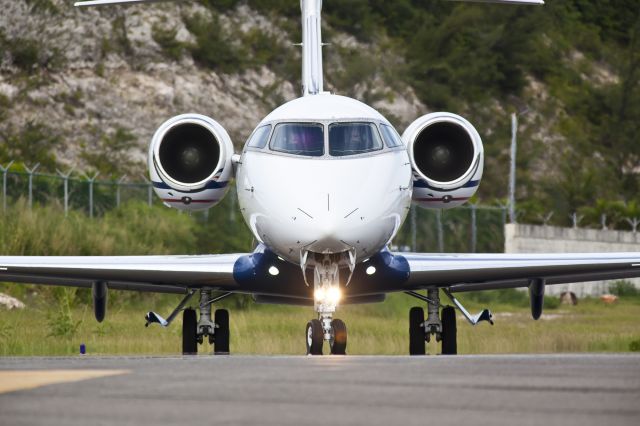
<point>11,381</point>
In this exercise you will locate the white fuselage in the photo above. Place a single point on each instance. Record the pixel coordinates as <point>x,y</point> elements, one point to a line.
<point>324,204</point>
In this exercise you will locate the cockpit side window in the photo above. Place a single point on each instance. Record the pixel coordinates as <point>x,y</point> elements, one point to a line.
<point>299,139</point>
<point>353,138</point>
<point>260,137</point>
<point>391,137</point>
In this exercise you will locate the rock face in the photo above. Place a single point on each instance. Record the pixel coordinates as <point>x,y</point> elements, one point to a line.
<point>95,70</point>
<point>9,302</point>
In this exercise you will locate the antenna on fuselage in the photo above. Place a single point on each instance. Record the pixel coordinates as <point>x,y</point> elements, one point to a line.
<point>312,76</point>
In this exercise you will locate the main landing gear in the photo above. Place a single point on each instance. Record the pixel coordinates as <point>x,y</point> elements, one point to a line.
<point>195,330</point>
<point>440,324</point>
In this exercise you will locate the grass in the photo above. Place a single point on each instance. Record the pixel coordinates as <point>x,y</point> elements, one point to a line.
<point>264,329</point>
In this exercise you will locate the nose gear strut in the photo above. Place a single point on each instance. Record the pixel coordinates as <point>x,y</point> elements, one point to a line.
<point>327,294</point>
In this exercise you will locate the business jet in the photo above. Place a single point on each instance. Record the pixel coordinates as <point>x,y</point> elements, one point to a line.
<point>324,183</point>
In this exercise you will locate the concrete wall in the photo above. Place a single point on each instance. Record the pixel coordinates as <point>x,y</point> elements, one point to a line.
<point>551,239</point>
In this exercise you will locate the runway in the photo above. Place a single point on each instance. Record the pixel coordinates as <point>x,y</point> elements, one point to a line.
<point>351,390</point>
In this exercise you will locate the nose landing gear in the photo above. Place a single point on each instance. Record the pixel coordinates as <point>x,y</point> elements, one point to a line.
<point>326,295</point>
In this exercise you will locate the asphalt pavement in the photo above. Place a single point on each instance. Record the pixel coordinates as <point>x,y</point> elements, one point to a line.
<point>352,390</point>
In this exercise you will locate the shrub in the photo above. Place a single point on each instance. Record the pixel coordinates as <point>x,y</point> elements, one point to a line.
<point>166,39</point>
<point>623,288</point>
<point>60,322</point>
<point>212,49</point>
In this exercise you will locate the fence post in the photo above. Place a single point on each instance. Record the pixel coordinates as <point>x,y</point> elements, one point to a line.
<point>118,184</point>
<point>65,178</point>
<point>414,228</point>
<point>474,228</point>
<point>232,211</point>
<point>31,172</point>
<point>149,190</point>
<point>91,180</point>
<point>4,185</point>
<point>440,231</point>
<point>634,223</point>
<point>575,219</point>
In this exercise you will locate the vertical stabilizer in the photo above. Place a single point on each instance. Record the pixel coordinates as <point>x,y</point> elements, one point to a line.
<point>312,78</point>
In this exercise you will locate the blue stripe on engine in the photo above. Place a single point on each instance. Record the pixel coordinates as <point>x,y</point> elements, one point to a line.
<point>421,183</point>
<point>212,184</point>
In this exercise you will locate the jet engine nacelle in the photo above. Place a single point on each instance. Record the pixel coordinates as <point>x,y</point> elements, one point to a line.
<point>190,162</point>
<point>447,158</point>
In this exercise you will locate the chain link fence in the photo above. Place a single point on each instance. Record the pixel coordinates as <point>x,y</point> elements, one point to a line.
<point>466,229</point>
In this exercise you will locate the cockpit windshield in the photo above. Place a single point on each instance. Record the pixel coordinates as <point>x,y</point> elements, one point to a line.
<point>353,138</point>
<point>299,139</point>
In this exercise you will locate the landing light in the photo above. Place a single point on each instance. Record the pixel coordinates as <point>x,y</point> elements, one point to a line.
<point>319,294</point>
<point>371,270</point>
<point>331,295</point>
<point>274,271</point>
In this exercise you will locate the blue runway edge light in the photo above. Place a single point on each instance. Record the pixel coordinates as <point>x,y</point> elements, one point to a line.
<point>83,349</point>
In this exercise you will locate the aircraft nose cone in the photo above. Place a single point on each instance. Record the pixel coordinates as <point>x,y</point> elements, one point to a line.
<point>326,234</point>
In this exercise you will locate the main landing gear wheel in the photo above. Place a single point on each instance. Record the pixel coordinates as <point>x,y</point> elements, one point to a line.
<point>189,332</point>
<point>449,339</point>
<point>315,337</point>
<point>221,336</point>
<point>416,331</point>
<point>338,341</point>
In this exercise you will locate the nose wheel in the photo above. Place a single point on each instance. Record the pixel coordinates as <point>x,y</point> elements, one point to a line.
<point>315,337</point>
<point>336,335</point>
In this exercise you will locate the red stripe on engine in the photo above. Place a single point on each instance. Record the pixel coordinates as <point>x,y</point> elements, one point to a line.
<point>170,200</point>
<point>442,199</point>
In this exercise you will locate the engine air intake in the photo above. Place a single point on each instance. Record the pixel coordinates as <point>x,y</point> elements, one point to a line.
<point>443,151</point>
<point>189,153</point>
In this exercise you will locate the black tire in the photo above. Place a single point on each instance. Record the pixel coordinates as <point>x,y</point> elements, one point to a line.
<point>189,332</point>
<point>449,331</point>
<point>416,331</point>
<point>221,334</point>
<point>314,337</point>
<point>338,342</point>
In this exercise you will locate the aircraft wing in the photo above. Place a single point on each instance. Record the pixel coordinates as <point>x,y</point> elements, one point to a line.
<point>471,272</point>
<point>162,274</point>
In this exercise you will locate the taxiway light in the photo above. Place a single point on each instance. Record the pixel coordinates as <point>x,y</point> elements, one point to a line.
<point>371,270</point>
<point>274,271</point>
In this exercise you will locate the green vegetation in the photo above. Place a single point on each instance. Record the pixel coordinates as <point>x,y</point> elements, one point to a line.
<point>33,143</point>
<point>623,289</point>
<point>263,329</point>
<point>111,155</point>
<point>213,48</point>
<point>166,38</point>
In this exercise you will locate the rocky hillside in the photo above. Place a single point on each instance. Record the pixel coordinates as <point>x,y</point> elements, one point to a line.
<point>81,77</point>
<point>89,86</point>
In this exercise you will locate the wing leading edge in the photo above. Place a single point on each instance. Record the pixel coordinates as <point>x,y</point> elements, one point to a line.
<point>471,272</point>
<point>162,274</point>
